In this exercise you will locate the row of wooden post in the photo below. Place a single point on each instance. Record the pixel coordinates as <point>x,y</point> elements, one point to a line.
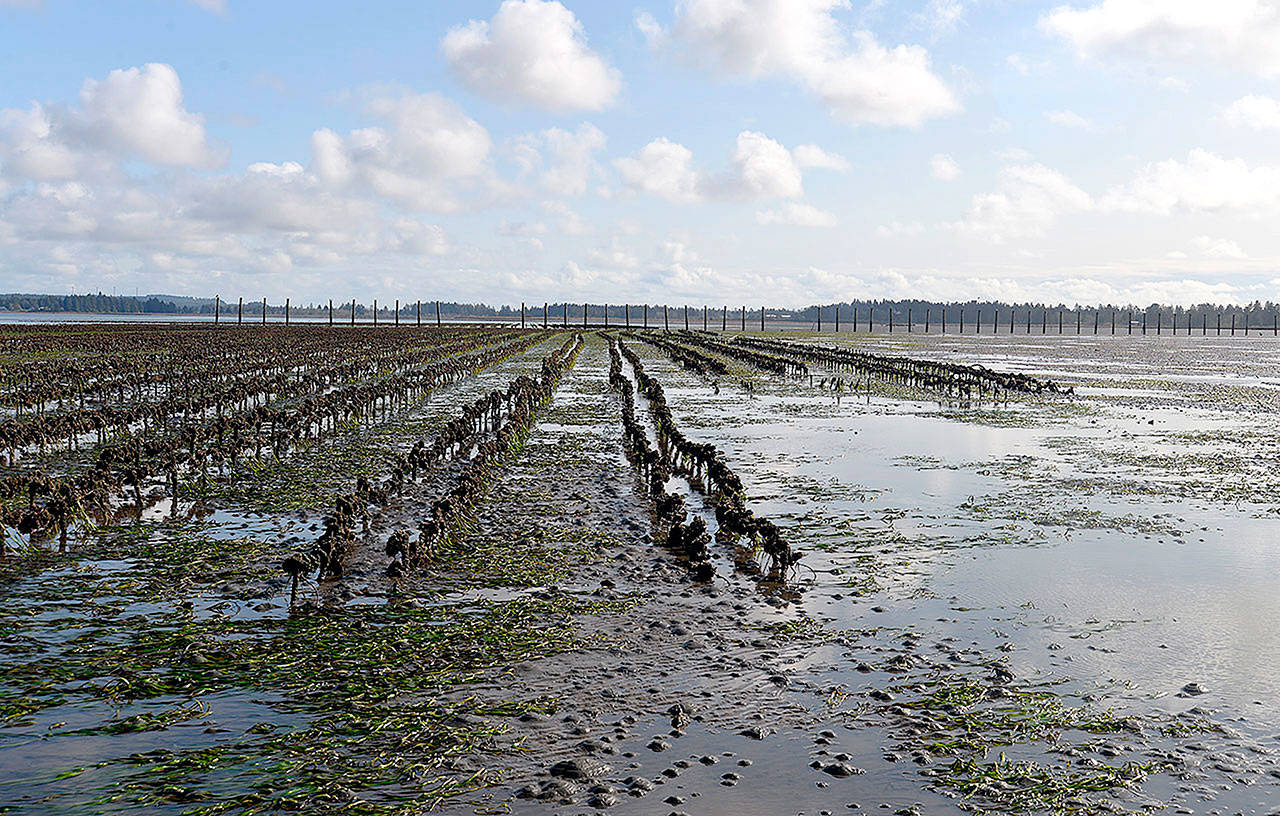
<point>870,321</point>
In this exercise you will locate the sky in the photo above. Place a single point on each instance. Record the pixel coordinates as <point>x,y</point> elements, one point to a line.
<point>711,152</point>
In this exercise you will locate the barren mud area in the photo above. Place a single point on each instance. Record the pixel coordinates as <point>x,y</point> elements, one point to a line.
<point>484,570</point>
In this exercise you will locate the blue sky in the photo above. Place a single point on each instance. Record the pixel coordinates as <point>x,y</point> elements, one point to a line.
<point>704,151</point>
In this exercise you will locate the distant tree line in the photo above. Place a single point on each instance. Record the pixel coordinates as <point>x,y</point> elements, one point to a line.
<point>880,312</point>
<point>99,303</point>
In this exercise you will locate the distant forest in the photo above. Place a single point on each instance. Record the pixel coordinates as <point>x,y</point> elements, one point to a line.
<point>880,312</point>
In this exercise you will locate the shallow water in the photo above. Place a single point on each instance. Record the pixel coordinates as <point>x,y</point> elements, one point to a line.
<point>1142,571</point>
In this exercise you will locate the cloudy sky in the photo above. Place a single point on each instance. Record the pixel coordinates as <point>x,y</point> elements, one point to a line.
<point>706,151</point>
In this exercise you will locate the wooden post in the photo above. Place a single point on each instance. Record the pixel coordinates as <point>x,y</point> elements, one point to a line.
<point>606,315</point>
<point>264,311</point>
<point>646,315</point>
<point>962,320</point>
<point>944,319</point>
<point>566,314</point>
<point>240,311</point>
<point>908,320</point>
<point>744,318</point>
<point>1059,321</point>
<point>626,315</point>
<point>1159,321</point>
<point>819,319</point>
<point>1219,323</point>
<point>1113,322</point>
<point>546,310</point>
<point>1233,324</point>
<point>330,311</point>
<point>584,315</point>
<point>761,318</point>
<point>666,322</point>
<point>375,311</point>
<point>837,318</point>
<point>1028,321</point>
<point>1044,319</point>
<point>437,314</point>
<point>704,318</point>
<point>418,309</point>
<point>871,319</point>
<point>890,320</point>
<point>1078,310</point>
<point>724,318</point>
<point>686,317</point>
<point>353,311</point>
<point>1096,314</point>
<point>286,311</point>
<point>397,311</point>
<point>522,314</point>
<point>217,307</point>
<point>1144,321</point>
<point>1011,311</point>
<point>928,318</point>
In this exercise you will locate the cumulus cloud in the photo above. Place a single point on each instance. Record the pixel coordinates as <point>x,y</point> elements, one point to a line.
<point>860,80</point>
<point>662,168</point>
<point>759,168</point>
<point>1204,183</point>
<point>427,149</point>
<point>73,195</point>
<point>1029,198</point>
<point>810,155</point>
<point>1252,111</point>
<point>1242,34</point>
<point>563,160</point>
<point>140,111</point>
<point>797,214</point>
<point>1219,248</point>
<point>943,167</point>
<point>533,52</point>
<point>132,113</point>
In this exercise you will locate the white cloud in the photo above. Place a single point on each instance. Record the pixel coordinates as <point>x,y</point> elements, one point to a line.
<point>663,168</point>
<point>759,168</point>
<point>1029,199</point>
<point>810,155</point>
<point>570,222</point>
<point>860,80</point>
<point>133,113</point>
<point>1204,183</point>
<point>215,6</point>
<point>797,214</point>
<point>650,29</point>
<point>429,149</point>
<point>943,167</point>
<point>565,159</point>
<point>1219,248</point>
<point>532,52</point>
<point>1252,111</point>
<point>762,168</point>
<point>140,111</point>
<point>943,16</point>
<point>1018,63</point>
<point>613,257</point>
<point>1243,34</point>
<point>1068,119</point>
